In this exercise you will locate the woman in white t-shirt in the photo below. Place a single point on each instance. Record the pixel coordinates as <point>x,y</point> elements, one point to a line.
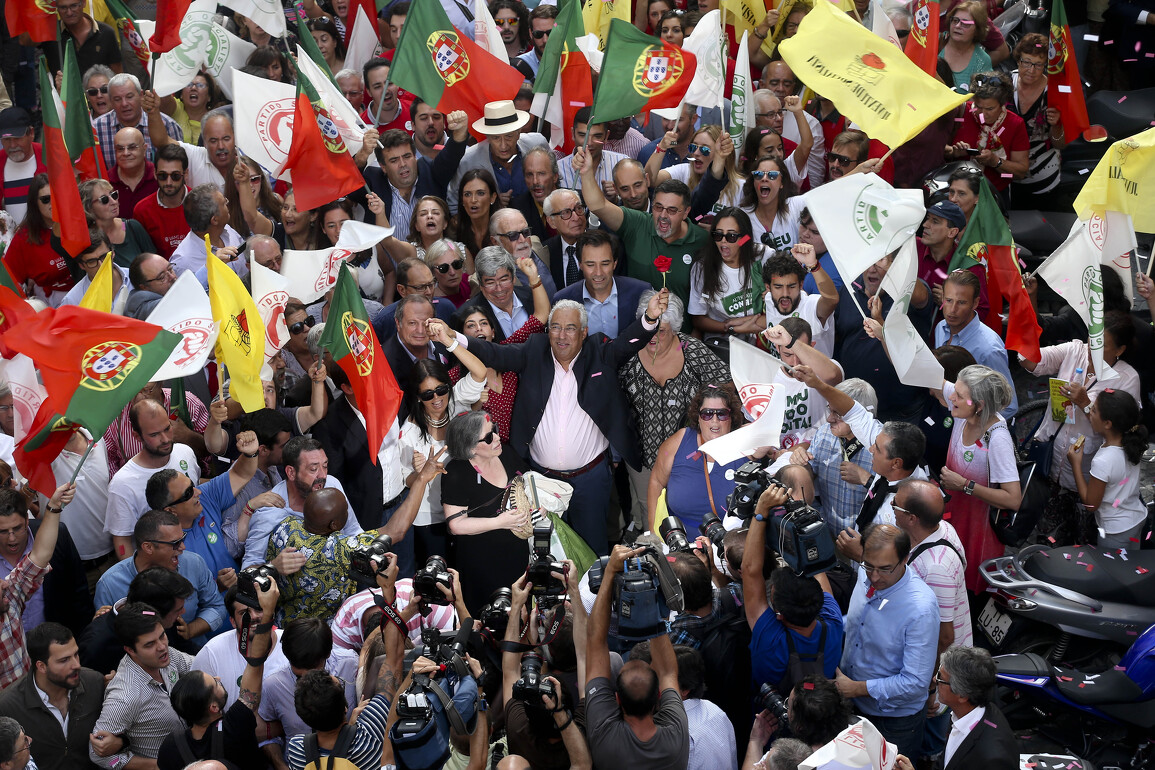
<point>726,279</point>
<point>1113,489</point>
<point>769,198</point>
<point>710,151</point>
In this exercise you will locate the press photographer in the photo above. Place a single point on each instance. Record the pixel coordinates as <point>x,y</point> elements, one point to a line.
<point>644,591</point>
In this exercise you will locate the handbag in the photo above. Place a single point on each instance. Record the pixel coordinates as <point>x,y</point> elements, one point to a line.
<point>1014,527</point>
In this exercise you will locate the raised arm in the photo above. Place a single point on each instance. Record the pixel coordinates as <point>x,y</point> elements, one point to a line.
<point>806,255</point>
<point>794,105</point>
<point>243,470</point>
<point>610,213</point>
<point>392,245</point>
<point>261,645</point>
<point>150,103</point>
<point>598,631</point>
<point>45,542</point>
<point>511,661</point>
<point>439,332</point>
<point>754,557</point>
<point>308,416</point>
<point>258,223</point>
<point>807,355</point>
<point>541,304</point>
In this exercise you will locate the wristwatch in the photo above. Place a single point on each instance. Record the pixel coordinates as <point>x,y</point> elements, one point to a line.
<point>970,487</point>
<point>1087,410</point>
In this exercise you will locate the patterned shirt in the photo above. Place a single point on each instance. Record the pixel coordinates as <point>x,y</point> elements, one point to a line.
<point>347,630</point>
<point>365,751</point>
<point>841,501</point>
<point>944,570</point>
<point>22,583</point>
<point>123,445</point>
<point>107,125</point>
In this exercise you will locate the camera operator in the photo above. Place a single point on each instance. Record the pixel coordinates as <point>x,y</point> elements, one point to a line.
<point>200,698</point>
<point>639,719</point>
<point>816,714</point>
<point>549,734</point>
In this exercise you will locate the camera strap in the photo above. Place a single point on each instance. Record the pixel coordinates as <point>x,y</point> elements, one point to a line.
<point>709,489</point>
<point>389,613</point>
<point>548,635</point>
<point>245,637</point>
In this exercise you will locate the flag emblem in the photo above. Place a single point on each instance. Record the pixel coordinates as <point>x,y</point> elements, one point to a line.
<point>275,128</point>
<point>868,67</point>
<point>195,334</point>
<point>1056,51</point>
<point>328,277</point>
<point>868,218</point>
<point>657,70</point>
<point>48,6</point>
<point>237,330</point>
<point>329,133</point>
<point>356,333</point>
<point>978,252</point>
<point>106,365</point>
<point>1093,296</point>
<point>756,397</point>
<point>921,22</point>
<point>449,56</point>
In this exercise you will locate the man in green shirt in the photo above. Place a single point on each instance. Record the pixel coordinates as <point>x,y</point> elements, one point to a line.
<point>663,232</point>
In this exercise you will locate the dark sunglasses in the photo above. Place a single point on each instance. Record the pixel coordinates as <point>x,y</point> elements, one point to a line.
<point>300,326</point>
<point>490,438</point>
<point>456,264</point>
<point>45,199</point>
<point>429,395</point>
<point>184,498</point>
<point>538,34</point>
<point>714,414</point>
<point>698,148</point>
<point>841,160</point>
<point>515,235</point>
<point>113,195</point>
<point>770,175</point>
<point>94,91</point>
<point>173,544</point>
<point>730,237</point>
<point>175,176</point>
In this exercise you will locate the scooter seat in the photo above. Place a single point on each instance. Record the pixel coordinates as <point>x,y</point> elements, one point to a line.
<point>1025,664</point>
<point>1097,689</point>
<point>1099,574</point>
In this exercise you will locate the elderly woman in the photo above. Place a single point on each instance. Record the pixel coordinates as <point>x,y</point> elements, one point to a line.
<point>127,236</point>
<point>478,508</point>
<point>965,29</point>
<point>993,136</point>
<point>35,257</point>
<point>694,483</point>
<point>96,89</point>
<point>659,382</point>
<point>1044,123</point>
<point>447,260</point>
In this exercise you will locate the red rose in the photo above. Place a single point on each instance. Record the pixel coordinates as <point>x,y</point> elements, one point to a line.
<point>662,264</point>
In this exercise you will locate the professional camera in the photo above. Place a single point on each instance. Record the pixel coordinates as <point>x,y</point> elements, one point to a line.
<point>367,560</point>
<point>414,711</point>
<point>542,566</point>
<point>712,528</point>
<point>429,579</point>
<point>531,685</point>
<point>644,594</point>
<point>750,481</point>
<point>770,700</point>
<point>494,616</point>
<point>252,580</point>
<point>673,532</point>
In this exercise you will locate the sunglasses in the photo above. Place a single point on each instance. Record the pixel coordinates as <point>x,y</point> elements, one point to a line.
<point>515,235</point>
<point>173,544</point>
<point>956,21</point>
<point>456,264</point>
<point>113,195</point>
<point>538,34</point>
<point>714,414</point>
<point>701,149</point>
<point>45,199</point>
<point>490,438</point>
<point>175,176</point>
<point>769,175</point>
<point>841,160</point>
<point>300,326</point>
<point>185,497</point>
<point>429,395</point>
<point>102,91</point>
<point>730,237</point>
<point>507,22</point>
<point>254,179</point>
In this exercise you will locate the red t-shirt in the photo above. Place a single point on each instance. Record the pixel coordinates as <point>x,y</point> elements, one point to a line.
<point>402,120</point>
<point>41,263</point>
<point>167,227</point>
<point>1011,136</point>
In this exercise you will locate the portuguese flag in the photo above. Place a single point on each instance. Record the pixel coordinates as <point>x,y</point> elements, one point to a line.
<point>350,338</point>
<point>1064,88</point>
<point>653,74</point>
<point>987,241</point>
<point>92,363</point>
<point>323,170</point>
<point>78,131</point>
<point>922,45</point>
<point>563,85</point>
<point>45,441</point>
<point>166,34</point>
<point>66,207</point>
<point>13,308</point>
<point>126,25</point>
<point>445,68</point>
<point>36,17</point>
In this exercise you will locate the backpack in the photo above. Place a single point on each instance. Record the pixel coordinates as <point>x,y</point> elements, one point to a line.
<point>799,664</point>
<point>216,744</point>
<point>338,757</point>
<point>427,746</point>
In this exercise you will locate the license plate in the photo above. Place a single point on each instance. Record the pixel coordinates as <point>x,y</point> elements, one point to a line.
<point>994,622</point>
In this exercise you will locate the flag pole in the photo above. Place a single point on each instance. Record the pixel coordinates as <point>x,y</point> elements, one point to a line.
<point>856,303</point>
<point>83,457</point>
<point>1150,260</point>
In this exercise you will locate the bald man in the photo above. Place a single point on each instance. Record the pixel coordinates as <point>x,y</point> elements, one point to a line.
<point>779,78</point>
<point>134,175</point>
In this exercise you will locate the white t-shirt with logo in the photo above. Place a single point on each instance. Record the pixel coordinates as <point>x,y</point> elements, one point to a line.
<point>823,333</point>
<point>805,411</point>
<point>783,232</point>
<point>731,301</point>
<point>126,501</point>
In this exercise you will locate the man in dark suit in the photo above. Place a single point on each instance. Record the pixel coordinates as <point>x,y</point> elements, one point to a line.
<point>403,169</point>
<point>611,301</point>
<point>413,277</point>
<point>411,342</point>
<point>509,302</point>
<point>565,212</point>
<point>541,176</point>
<point>980,735</point>
<point>570,411</point>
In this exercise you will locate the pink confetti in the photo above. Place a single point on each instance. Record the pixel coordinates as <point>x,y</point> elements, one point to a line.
<point>1007,176</point>
<point>1123,99</point>
<point>743,240</point>
<point>635,339</point>
<point>1116,503</point>
<point>1137,47</point>
<point>908,104</point>
<point>990,724</point>
<point>1132,633</point>
<point>1108,42</point>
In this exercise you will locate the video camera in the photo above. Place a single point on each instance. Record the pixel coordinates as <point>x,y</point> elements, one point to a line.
<point>367,560</point>
<point>430,578</point>
<point>252,580</point>
<point>494,616</point>
<point>531,685</point>
<point>797,532</point>
<point>644,593</point>
<point>547,588</point>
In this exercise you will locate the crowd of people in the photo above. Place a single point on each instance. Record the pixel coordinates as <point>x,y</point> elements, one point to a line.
<point>556,376</point>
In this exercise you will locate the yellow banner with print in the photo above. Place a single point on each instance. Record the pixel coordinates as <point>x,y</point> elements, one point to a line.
<point>597,15</point>
<point>1123,181</point>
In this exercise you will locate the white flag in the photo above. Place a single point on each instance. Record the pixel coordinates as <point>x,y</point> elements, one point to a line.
<point>742,108</point>
<point>764,402</point>
<point>203,44</point>
<point>915,364</point>
<point>881,24</point>
<point>1074,271</point>
<point>364,44</point>
<point>1118,244</point>
<point>859,747</point>
<point>185,310</point>
<point>27,392</point>
<point>263,120</point>
<point>708,43</point>
<point>271,293</point>
<point>862,219</point>
<point>268,14</point>
<point>485,31</point>
<point>344,117</point>
<point>312,273</point>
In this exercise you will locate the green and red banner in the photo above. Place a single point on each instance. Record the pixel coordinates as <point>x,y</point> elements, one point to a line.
<point>305,38</point>
<point>78,134</point>
<point>445,68</point>
<point>1064,88</point>
<point>36,17</point>
<point>564,81</point>
<point>350,338</point>
<point>67,210</point>
<point>647,74</point>
<point>922,44</point>
<point>126,25</point>
<point>45,441</point>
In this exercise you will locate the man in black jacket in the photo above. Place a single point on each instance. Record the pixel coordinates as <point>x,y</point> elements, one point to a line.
<point>570,411</point>
<point>980,735</point>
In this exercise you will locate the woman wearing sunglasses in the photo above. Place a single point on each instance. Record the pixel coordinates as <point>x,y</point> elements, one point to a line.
<point>35,258</point>
<point>710,152</point>
<point>694,484</point>
<point>1044,124</point>
<point>96,89</point>
<point>769,198</point>
<point>447,260</point>
<point>102,206</point>
<point>431,401</point>
<point>726,279</point>
<point>253,206</point>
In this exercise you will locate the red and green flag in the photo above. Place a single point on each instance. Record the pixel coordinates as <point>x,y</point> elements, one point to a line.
<point>447,69</point>
<point>13,307</point>
<point>648,74</point>
<point>126,25</point>
<point>987,241</point>
<point>66,207</point>
<point>1064,88</point>
<point>78,133</point>
<point>922,44</point>
<point>564,84</point>
<point>166,34</point>
<point>178,402</point>
<point>305,38</point>
<point>350,339</point>
<point>45,441</point>
<point>323,169</point>
<point>92,363</point>
<point>36,17</point>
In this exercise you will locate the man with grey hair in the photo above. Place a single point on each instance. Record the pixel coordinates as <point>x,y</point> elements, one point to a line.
<point>509,230</point>
<point>125,94</point>
<point>212,161</point>
<point>784,754</point>
<point>567,216</point>
<point>352,87</point>
<point>570,411</point>
<point>265,250</point>
<point>15,746</point>
<point>541,178</point>
<point>509,300</point>
<point>207,212</point>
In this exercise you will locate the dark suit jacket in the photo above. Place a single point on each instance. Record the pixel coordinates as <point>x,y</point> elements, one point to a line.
<point>478,300</point>
<point>432,179</point>
<point>629,294</point>
<point>596,370</point>
<point>347,447</point>
<point>557,263</point>
<point>991,748</point>
<point>66,596</point>
<point>51,748</point>
<point>527,206</point>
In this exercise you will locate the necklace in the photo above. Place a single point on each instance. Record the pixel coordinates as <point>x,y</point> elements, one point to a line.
<point>439,423</point>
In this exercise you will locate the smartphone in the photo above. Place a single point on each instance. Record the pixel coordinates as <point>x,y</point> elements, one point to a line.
<point>972,151</point>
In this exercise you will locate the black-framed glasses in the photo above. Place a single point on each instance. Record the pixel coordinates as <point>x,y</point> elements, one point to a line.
<point>902,33</point>
<point>173,544</point>
<point>490,438</point>
<point>730,237</point>
<point>868,569</point>
<point>96,261</point>
<point>101,91</point>
<point>421,287</point>
<point>164,176</point>
<point>939,680</point>
<point>1031,65</point>
<point>841,160</point>
<point>515,235</point>
<point>701,149</point>
<point>111,195</point>
<point>567,214</point>
<point>168,272</point>
<point>714,414</point>
<point>769,175</point>
<point>538,34</point>
<point>185,496</point>
<point>439,391</point>
<point>300,326</point>
<point>443,268</point>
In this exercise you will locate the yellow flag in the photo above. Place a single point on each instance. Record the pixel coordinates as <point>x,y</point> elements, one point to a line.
<point>1123,181</point>
<point>597,14</point>
<point>870,81</point>
<point>744,16</point>
<point>241,344</point>
<point>99,293</point>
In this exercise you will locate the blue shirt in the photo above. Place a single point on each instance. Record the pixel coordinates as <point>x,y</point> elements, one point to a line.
<point>841,501</point>
<point>205,603</point>
<point>810,286</point>
<point>891,644</point>
<point>206,536</point>
<point>603,316</point>
<point>514,179</point>
<point>770,656</point>
<point>986,346</point>
<point>513,320</point>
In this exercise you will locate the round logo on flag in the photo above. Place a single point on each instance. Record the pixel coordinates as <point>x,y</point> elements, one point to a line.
<point>449,56</point>
<point>868,218</point>
<point>756,397</point>
<point>329,133</point>
<point>275,128</point>
<point>921,22</point>
<point>48,6</point>
<point>1097,229</point>
<point>357,336</point>
<point>978,252</point>
<point>1056,51</point>
<point>105,366</point>
<point>195,333</point>
<point>657,70</point>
